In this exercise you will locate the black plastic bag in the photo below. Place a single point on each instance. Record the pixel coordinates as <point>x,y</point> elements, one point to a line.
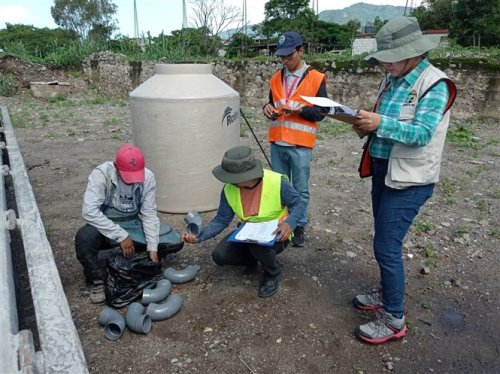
<point>126,278</point>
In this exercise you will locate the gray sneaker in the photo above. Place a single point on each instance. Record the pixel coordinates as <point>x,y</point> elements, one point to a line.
<point>385,328</point>
<point>97,295</point>
<point>369,301</point>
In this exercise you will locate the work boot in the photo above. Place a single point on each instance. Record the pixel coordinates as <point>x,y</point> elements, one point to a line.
<point>369,301</point>
<point>299,237</point>
<point>270,284</point>
<point>97,295</point>
<point>385,328</point>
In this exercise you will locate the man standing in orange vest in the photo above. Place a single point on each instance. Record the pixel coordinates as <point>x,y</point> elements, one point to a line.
<point>293,130</point>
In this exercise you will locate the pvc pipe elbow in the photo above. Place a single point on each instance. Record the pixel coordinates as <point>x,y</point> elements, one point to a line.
<point>181,276</point>
<point>194,223</point>
<point>137,320</point>
<point>159,312</point>
<point>159,293</point>
<point>113,322</point>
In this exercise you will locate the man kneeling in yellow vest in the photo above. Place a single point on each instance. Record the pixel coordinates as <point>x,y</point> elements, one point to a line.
<point>253,194</point>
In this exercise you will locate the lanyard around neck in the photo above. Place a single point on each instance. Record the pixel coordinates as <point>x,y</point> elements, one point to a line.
<point>288,91</point>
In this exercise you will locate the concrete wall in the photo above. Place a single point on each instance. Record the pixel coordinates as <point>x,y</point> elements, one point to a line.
<point>353,84</point>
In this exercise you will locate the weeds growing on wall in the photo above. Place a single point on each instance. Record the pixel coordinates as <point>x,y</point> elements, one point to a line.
<point>168,48</point>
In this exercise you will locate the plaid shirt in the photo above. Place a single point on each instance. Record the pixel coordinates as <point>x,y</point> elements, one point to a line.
<point>428,113</point>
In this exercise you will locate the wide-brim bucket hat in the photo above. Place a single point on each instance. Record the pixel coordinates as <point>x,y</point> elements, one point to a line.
<point>238,165</point>
<point>400,39</point>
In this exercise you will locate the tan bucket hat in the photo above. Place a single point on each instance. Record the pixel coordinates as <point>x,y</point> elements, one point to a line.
<point>400,39</point>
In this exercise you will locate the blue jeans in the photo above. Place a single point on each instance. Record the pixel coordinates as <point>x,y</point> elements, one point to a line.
<point>294,162</point>
<point>393,213</point>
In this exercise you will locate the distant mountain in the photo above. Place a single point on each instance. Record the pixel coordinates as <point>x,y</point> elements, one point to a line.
<point>362,12</point>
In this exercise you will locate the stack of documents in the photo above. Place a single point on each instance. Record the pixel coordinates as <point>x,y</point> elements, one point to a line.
<point>256,232</point>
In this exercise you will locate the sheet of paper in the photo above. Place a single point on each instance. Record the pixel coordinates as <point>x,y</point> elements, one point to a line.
<point>336,109</point>
<point>257,231</point>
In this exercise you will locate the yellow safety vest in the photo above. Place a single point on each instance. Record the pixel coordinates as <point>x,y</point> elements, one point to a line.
<point>270,200</point>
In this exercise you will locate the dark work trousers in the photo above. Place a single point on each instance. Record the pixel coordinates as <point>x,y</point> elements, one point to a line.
<point>248,254</point>
<point>89,241</point>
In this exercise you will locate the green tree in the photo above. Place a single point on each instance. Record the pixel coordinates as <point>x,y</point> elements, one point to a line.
<point>195,42</point>
<point>378,23</point>
<point>476,22</point>
<point>332,36</point>
<point>91,19</point>
<point>240,46</point>
<point>434,14</point>
<point>284,15</point>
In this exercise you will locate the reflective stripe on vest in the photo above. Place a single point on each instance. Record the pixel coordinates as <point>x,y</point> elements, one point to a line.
<point>270,200</point>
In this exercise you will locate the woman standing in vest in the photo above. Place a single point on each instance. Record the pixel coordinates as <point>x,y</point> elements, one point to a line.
<point>407,132</point>
<point>253,195</point>
<point>293,130</point>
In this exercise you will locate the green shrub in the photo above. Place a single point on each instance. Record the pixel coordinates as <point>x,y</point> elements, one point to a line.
<point>7,85</point>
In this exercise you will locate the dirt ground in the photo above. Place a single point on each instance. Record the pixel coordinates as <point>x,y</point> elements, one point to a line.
<point>307,327</point>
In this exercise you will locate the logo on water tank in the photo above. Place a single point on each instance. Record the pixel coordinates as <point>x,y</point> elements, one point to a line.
<point>230,116</point>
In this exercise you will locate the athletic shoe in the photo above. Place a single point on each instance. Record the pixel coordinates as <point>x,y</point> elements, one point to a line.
<point>97,295</point>
<point>369,301</point>
<point>385,328</point>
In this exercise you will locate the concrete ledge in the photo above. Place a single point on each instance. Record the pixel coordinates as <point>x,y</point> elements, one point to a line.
<point>46,90</point>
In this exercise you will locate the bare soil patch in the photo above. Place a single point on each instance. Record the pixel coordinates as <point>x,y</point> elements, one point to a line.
<point>307,327</point>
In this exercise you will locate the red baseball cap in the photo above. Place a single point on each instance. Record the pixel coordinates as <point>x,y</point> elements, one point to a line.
<point>129,161</point>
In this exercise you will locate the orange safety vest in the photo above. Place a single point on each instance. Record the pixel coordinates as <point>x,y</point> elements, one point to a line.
<point>293,128</point>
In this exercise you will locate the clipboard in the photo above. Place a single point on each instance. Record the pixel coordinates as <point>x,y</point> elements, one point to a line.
<point>336,111</point>
<point>234,234</point>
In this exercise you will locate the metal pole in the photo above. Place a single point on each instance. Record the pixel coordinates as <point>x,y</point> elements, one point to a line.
<point>255,137</point>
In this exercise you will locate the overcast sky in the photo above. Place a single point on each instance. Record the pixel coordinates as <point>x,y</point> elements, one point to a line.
<point>153,15</point>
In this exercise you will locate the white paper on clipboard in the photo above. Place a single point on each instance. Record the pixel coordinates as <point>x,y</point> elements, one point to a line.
<point>336,109</point>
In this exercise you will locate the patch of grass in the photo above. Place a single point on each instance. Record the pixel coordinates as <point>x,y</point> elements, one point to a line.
<point>44,119</point>
<point>495,232</point>
<point>95,100</point>
<point>336,242</point>
<point>462,135</point>
<point>459,230</point>
<point>448,190</point>
<point>112,121</point>
<point>334,129</point>
<point>429,255</point>
<point>474,173</point>
<point>21,119</point>
<point>424,226</point>
<point>7,85</point>
<point>333,162</point>
<point>481,205</point>
<point>496,194</point>
<point>58,98</point>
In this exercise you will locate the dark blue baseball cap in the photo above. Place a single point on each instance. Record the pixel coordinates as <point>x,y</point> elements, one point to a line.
<point>288,42</point>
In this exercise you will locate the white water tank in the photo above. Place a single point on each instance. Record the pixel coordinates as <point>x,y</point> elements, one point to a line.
<point>184,119</point>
